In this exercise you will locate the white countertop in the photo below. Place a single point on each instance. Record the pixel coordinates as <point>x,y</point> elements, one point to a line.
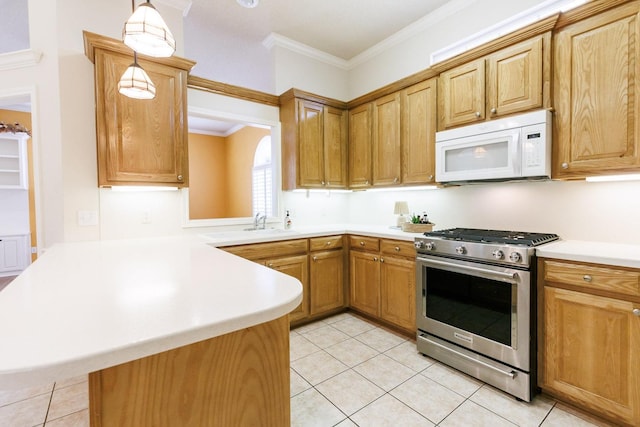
<point>230,238</point>
<point>82,307</point>
<point>623,255</point>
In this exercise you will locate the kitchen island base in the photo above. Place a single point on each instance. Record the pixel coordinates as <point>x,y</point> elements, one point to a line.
<point>237,379</point>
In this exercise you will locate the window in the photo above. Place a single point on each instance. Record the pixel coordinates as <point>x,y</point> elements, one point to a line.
<point>262,172</point>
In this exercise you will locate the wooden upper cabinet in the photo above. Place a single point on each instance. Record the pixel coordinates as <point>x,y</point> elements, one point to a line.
<point>511,80</point>
<point>311,144</point>
<point>418,124</point>
<point>360,124</point>
<point>514,79</point>
<point>386,140</point>
<point>595,93</point>
<point>140,142</point>
<point>314,143</point>
<point>336,139</point>
<point>461,95</point>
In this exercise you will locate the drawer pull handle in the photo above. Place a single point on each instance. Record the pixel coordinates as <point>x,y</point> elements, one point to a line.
<point>636,312</point>
<point>397,249</point>
<point>587,278</point>
<point>361,243</point>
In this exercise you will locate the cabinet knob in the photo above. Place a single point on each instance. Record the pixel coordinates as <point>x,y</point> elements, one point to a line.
<point>587,278</point>
<point>366,182</point>
<point>361,243</point>
<point>270,265</point>
<point>397,249</point>
<point>381,259</point>
<point>322,182</point>
<point>565,165</point>
<point>180,177</point>
<point>493,110</point>
<point>315,258</point>
<point>395,180</point>
<point>636,312</point>
<point>375,258</point>
<point>478,114</point>
<point>430,177</point>
<point>329,243</point>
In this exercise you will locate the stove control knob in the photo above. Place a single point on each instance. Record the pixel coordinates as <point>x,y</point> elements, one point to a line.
<point>498,254</point>
<point>419,245</point>
<point>515,257</point>
<point>430,246</point>
<point>461,250</point>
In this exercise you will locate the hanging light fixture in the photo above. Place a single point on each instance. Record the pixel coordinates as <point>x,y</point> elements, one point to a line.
<point>147,33</point>
<point>135,82</point>
<point>250,4</point>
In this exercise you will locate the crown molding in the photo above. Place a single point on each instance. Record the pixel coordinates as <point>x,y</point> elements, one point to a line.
<point>19,59</point>
<point>183,5</point>
<point>275,39</point>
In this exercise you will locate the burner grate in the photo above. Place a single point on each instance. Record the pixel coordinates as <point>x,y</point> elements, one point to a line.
<point>494,236</point>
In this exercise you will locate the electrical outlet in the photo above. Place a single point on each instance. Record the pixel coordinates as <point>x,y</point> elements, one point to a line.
<point>146,217</point>
<point>87,218</point>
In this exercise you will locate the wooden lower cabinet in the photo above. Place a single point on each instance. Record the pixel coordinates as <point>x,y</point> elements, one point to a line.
<point>397,291</point>
<point>590,339</point>
<point>365,282</point>
<point>326,272</point>
<point>295,266</point>
<point>382,281</point>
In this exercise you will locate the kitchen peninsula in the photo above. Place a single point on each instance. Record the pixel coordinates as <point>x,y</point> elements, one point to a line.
<point>171,331</point>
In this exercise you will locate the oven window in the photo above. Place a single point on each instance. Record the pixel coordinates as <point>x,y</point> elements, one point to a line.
<point>481,306</point>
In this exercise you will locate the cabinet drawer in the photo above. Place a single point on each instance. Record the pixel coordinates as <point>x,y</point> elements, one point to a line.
<point>397,247</point>
<point>324,243</point>
<point>611,279</point>
<point>361,242</point>
<point>268,250</point>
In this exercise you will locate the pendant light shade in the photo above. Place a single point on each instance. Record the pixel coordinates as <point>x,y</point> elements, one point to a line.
<point>146,32</point>
<point>250,4</point>
<point>135,82</point>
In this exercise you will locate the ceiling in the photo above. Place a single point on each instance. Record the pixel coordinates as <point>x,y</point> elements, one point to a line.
<point>342,28</point>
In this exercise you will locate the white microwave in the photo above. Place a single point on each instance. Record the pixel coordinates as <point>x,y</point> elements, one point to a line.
<point>515,147</point>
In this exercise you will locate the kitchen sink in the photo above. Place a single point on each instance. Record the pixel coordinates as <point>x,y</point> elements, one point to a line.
<point>247,233</point>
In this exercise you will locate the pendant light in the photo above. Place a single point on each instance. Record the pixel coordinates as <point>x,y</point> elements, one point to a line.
<point>146,32</point>
<point>250,4</point>
<point>135,82</point>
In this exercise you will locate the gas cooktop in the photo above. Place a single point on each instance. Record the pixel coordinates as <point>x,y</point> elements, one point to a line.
<point>493,236</point>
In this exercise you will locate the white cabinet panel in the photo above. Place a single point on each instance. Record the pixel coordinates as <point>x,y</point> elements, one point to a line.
<point>14,254</point>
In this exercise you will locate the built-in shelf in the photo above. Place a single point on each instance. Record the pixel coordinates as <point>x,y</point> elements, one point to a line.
<point>13,160</point>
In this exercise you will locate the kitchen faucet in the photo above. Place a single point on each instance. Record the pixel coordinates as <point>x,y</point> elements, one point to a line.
<point>257,220</point>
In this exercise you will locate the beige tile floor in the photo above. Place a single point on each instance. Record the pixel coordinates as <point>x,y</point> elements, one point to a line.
<point>345,372</point>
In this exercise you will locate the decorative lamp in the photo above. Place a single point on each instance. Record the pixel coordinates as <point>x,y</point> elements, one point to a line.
<point>135,82</point>
<point>401,209</point>
<point>146,32</point>
<point>250,4</point>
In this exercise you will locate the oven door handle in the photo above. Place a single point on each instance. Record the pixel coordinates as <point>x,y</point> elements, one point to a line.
<point>505,277</point>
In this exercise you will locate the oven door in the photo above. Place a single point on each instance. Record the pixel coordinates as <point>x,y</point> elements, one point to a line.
<point>484,308</point>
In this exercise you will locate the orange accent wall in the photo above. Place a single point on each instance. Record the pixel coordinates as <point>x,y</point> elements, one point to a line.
<point>241,148</point>
<point>208,195</point>
<point>12,117</point>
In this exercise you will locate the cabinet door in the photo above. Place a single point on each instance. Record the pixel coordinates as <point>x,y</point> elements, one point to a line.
<point>140,141</point>
<point>14,254</point>
<point>595,90</point>
<point>360,146</point>
<point>418,123</point>
<point>515,78</point>
<point>386,140</point>
<point>590,352</point>
<point>398,291</point>
<point>326,283</point>
<point>295,266</point>
<point>365,282</point>
<point>461,95</point>
<point>311,146</point>
<point>335,147</point>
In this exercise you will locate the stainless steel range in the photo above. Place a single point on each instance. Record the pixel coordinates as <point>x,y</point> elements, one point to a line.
<point>476,305</point>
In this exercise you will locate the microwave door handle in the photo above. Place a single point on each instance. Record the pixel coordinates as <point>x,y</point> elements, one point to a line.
<point>516,156</point>
<point>500,275</point>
